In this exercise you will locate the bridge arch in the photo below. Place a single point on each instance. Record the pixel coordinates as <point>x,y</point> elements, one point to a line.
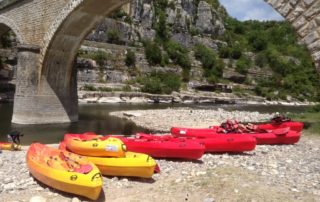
<point>304,16</point>
<point>54,97</point>
<point>7,24</point>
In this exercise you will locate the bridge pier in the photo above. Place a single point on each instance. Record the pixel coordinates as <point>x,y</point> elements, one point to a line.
<point>37,99</point>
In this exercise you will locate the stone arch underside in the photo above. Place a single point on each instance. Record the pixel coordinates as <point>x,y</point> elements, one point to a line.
<point>304,15</point>
<point>56,97</point>
<point>7,24</point>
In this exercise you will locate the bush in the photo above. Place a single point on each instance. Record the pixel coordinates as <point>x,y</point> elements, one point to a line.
<point>242,65</point>
<point>258,41</point>
<point>178,54</point>
<point>236,52</point>
<point>213,67</point>
<point>130,58</point>
<point>161,27</point>
<point>160,83</point>
<point>224,52</point>
<point>100,57</point>
<point>89,87</point>
<point>114,36</point>
<point>153,53</point>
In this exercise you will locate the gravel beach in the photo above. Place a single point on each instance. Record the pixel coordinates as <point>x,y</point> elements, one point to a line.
<point>270,173</point>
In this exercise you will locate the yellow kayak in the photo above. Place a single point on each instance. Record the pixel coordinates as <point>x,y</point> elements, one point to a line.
<point>64,171</point>
<point>132,165</point>
<point>9,146</point>
<point>87,145</point>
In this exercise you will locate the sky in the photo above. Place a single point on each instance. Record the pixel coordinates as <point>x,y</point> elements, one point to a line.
<point>250,10</point>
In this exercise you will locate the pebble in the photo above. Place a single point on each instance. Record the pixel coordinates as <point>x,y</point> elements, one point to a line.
<point>209,200</point>
<point>75,199</point>
<point>38,199</point>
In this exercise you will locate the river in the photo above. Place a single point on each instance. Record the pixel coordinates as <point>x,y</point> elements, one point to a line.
<point>95,117</point>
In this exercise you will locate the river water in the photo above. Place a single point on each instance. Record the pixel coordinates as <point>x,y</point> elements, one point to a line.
<point>95,117</point>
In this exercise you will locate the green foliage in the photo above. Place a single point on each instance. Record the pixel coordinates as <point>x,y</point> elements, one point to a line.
<point>178,54</point>
<point>118,14</point>
<point>89,87</point>
<point>114,36</point>
<point>130,58</point>
<point>213,67</point>
<point>276,47</point>
<point>161,27</point>
<point>258,41</point>
<point>100,57</point>
<point>242,65</point>
<point>153,53</point>
<point>261,60</point>
<point>236,52</point>
<point>160,83</point>
<point>6,39</point>
<point>224,52</point>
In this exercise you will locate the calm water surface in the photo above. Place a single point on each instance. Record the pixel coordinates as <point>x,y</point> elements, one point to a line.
<point>95,117</point>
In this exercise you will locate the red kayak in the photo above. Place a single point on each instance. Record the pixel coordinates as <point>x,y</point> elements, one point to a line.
<point>295,126</point>
<point>223,143</point>
<point>184,149</point>
<point>272,137</point>
<point>166,148</point>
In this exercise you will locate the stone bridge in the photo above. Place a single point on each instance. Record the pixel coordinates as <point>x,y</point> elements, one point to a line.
<point>50,32</point>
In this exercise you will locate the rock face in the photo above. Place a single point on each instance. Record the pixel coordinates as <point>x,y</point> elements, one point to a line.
<point>208,21</point>
<point>182,17</point>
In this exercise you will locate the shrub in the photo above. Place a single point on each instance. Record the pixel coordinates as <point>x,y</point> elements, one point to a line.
<point>114,36</point>
<point>89,87</point>
<point>130,58</point>
<point>242,65</point>
<point>213,67</point>
<point>153,53</point>
<point>224,52</point>
<point>160,83</point>
<point>100,57</point>
<point>161,27</point>
<point>178,54</point>
<point>236,52</point>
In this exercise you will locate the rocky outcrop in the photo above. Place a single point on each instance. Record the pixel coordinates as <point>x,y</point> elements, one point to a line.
<point>183,17</point>
<point>208,21</point>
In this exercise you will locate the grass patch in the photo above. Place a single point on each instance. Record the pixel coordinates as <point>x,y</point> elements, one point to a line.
<point>311,121</point>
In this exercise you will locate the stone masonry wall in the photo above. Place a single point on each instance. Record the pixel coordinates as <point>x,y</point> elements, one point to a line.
<point>304,15</point>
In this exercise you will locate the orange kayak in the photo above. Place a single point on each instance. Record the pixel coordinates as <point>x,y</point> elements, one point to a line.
<point>9,146</point>
<point>64,171</point>
<point>94,146</point>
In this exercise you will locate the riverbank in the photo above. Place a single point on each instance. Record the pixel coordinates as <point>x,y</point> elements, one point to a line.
<point>183,98</point>
<point>270,173</point>
<point>162,120</point>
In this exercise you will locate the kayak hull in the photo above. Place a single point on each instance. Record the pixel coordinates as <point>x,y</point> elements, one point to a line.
<point>9,146</point>
<point>236,143</point>
<point>269,138</point>
<point>187,149</point>
<point>295,126</point>
<point>292,137</point>
<point>132,165</point>
<point>219,144</point>
<point>88,185</point>
<point>90,145</point>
